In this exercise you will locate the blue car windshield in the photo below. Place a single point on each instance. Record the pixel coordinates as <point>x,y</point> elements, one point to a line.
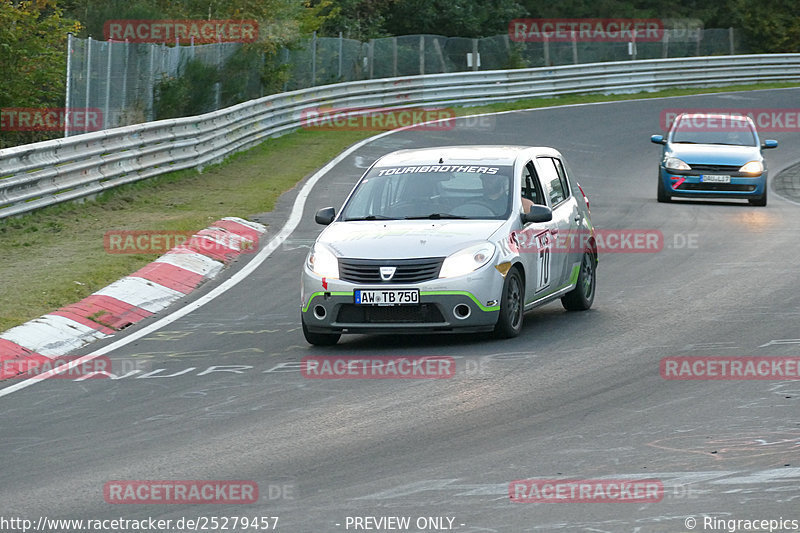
<point>432,192</point>
<point>714,130</point>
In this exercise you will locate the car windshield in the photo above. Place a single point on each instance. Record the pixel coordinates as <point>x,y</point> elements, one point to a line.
<point>700,129</point>
<point>432,192</point>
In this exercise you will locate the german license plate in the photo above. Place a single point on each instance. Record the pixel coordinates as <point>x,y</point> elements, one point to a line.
<point>386,297</point>
<point>716,178</point>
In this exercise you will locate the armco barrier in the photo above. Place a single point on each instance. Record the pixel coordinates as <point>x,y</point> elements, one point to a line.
<point>49,172</point>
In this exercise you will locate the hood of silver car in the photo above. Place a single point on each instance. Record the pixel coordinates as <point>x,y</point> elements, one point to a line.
<point>400,239</point>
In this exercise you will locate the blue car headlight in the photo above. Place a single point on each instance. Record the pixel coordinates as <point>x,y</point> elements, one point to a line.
<point>673,163</point>
<point>753,167</point>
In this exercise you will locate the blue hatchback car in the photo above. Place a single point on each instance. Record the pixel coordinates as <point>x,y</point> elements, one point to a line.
<point>709,155</point>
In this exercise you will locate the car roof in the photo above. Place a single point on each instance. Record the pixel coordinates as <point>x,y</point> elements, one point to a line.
<point>464,154</point>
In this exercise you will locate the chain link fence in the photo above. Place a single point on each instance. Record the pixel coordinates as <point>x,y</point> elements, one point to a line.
<point>130,83</point>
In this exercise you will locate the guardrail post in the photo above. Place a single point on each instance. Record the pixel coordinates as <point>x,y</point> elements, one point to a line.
<point>474,54</point>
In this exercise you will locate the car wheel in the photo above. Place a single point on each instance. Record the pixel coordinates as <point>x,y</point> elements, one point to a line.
<point>761,201</point>
<point>581,297</point>
<point>320,339</point>
<point>512,305</point>
<point>662,191</point>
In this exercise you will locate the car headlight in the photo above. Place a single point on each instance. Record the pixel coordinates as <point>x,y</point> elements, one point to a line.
<point>467,260</point>
<point>322,262</point>
<point>753,167</point>
<point>673,163</point>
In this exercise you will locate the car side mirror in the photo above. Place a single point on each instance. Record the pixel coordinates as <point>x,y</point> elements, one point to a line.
<point>325,216</point>
<point>769,143</point>
<point>538,213</point>
<point>657,139</point>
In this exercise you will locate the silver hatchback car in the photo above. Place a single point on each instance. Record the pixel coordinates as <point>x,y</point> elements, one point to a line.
<point>458,238</point>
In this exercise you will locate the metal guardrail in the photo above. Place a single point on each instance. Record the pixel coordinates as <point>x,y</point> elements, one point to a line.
<point>45,173</point>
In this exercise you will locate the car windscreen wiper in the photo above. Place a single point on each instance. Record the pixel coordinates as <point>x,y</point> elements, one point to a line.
<point>435,216</point>
<point>370,217</point>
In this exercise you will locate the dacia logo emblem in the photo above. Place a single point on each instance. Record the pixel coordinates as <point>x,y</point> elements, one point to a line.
<point>387,273</point>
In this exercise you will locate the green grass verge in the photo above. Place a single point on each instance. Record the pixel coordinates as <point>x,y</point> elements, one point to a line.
<point>55,256</point>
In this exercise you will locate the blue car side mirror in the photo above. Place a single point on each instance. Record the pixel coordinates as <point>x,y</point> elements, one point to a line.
<point>657,139</point>
<point>769,143</point>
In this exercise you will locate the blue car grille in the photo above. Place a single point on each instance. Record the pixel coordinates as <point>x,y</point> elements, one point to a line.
<point>727,187</point>
<point>716,169</point>
<point>408,270</point>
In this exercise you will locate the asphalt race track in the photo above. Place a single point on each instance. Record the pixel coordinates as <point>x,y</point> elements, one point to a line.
<point>217,395</point>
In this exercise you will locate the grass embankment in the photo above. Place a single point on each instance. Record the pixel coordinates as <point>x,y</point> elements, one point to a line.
<point>55,256</point>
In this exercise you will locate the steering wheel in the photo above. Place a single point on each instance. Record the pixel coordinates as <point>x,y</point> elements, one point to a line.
<point>474,208</point>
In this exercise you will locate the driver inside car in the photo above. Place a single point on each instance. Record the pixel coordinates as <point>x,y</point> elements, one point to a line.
<point>495,193</point>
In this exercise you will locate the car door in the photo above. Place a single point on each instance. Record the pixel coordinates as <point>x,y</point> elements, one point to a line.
<point>565,217</point>
<point>536,241</point>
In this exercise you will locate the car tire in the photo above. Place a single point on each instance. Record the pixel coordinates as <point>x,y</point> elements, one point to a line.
<point>320,339</point>
<point>582,296</point>
<point>662,195</point>
<point>512,306</point>
<point>761,201</point>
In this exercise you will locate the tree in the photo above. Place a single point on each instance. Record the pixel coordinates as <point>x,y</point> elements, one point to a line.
<point>33,50</point>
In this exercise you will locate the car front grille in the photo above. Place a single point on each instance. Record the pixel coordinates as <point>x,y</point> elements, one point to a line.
<point>401,314</point>
<point>408,270</point>
<point>727,187</point>
<point>717,169</point>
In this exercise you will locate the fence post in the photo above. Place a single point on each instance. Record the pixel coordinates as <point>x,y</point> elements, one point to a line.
<point>730,40</point>
<point>474,54</point>
<point>422,54</point>
<point>88,71</point>
<point>68,100</point>
<point>341,51</point>
<point>665,44</point>
<point>109,48</point>
<point>394,56</point>
<point>574,48</point>
<point>125,81</point>
<point>314,58</point>
<point>371,58</point>
<point>546,51</point>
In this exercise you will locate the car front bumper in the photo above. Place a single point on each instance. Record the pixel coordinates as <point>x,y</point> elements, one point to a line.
<point>467,303</point>
<point>692,186</point>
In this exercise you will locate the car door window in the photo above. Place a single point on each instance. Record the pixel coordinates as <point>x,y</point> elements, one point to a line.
<point>552,180</point>
<point>531,189</point>
<point>562,176</point>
